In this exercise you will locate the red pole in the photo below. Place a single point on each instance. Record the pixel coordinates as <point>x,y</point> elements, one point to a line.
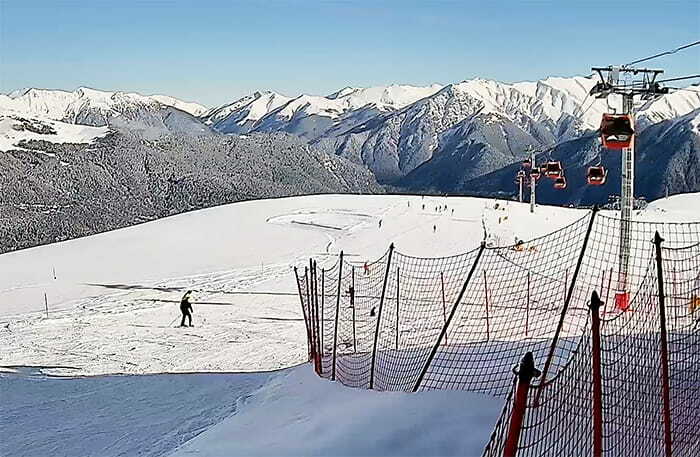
<point>525,373</point>
<point>597,376</point>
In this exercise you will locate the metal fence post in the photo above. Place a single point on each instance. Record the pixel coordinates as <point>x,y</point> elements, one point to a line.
<point>337,312</point>
<point>323,299</point>
<point>319,347</point>
<point>525,372</point>
<point>397,309</point>
<point>352,305</point>
<point>666,395</point>
<point>567,300</point>
<point>303,312</point>
<point>379,317</point>
<point>597,376</point>
<point>443,333</point>
<point>444,306</point>
<point>486,299</point>
<point>312,317</point>
<point>309,312</point>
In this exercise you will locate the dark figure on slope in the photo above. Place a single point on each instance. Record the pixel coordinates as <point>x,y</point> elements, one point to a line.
<point>186,308</point>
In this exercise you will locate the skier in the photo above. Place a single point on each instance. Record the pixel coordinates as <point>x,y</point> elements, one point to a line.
<point>434,228</point>
<point>366,268</point>
<point>186,308</point>
<point>519,245</point>
<point>380,223</point>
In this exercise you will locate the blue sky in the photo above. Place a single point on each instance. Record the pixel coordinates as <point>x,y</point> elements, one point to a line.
<point>213,52</point>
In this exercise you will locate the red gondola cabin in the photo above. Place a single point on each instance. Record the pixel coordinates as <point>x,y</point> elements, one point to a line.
<point>553,169</point>
<point>616,131</point>
<point>596,176</point>
<point>560,183</point>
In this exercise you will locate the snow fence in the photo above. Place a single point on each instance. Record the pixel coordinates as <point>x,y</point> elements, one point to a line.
<point>616,375</point>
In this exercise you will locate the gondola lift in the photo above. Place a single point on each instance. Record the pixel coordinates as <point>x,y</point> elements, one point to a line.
<point>560,183</point>
<point>553,169</point>
<point>616,131</point>
<point>596,176</point>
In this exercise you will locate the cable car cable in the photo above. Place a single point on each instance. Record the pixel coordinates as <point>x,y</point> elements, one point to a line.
<point>673,51</point>
<point>678,79</point>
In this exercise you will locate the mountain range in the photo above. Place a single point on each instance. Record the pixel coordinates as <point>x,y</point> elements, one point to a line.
<point>467,137</point>
<point>458,131</point>
<point>77,163</point>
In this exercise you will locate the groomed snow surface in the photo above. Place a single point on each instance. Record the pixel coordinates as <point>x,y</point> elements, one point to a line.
<point>113,309</point>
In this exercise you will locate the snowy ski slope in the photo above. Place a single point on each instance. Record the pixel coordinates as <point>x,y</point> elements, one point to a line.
<point>113,310</point>
<point>113,307</point>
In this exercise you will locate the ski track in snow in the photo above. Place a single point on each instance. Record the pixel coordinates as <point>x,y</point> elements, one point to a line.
<point>129,326</point>
<point>132,326</point>
<point>137,331</point>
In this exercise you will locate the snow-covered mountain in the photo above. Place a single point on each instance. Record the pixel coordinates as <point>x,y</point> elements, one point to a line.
<point>80,116</point>
<point>479,117</point>
<point>667,160</point>
<point>192,108</point>
<point>469,128</point>
<point>86,106</point>
<point>313,116</point>
<point>240,116</point>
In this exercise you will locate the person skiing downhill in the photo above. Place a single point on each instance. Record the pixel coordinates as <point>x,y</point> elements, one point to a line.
<point>186,308</point>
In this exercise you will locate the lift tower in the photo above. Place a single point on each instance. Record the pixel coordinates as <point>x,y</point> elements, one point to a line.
<point>644,85</point>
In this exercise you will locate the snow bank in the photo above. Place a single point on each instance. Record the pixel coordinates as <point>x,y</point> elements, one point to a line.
<point>297,413</point>
<point>290,412</point>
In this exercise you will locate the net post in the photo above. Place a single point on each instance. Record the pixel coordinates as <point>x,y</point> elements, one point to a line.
<point>443,333</point>
<point>486,300</point>
<point>337,312</point>
<point>666,395</point>
<point>595,305</point>
<point>525,372</point>
<point>323,299</point>
<point>379,317</point>
<point>319,347</point>
<point>303,312</point>
<point>567,300</point>
<point>444,306</point>
<point>397,308</point>
<point>308,304</point>
<point>312,313</point>
<point>352,305</point>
